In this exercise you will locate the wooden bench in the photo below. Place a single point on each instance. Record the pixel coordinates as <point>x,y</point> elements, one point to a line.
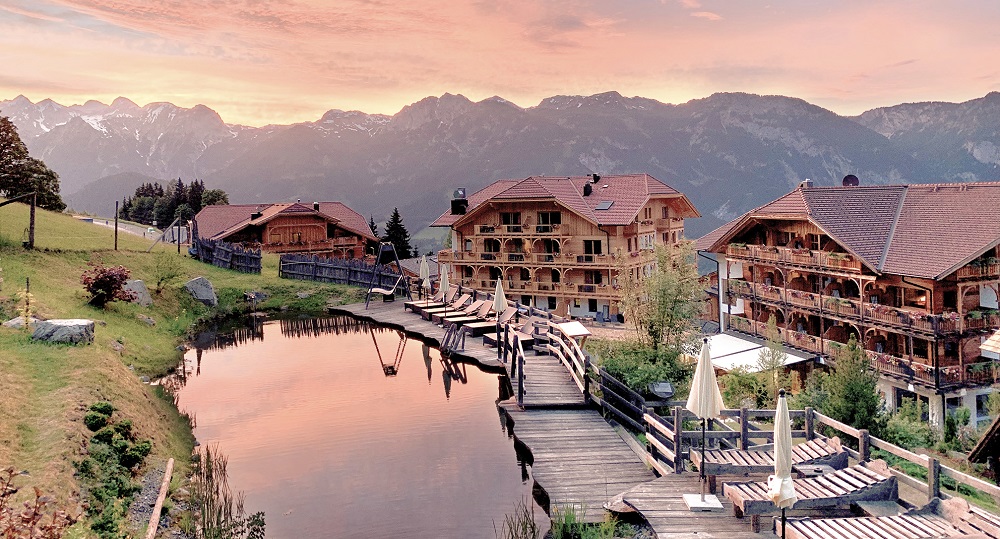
<point>949,518</point>
<point>820,451</point>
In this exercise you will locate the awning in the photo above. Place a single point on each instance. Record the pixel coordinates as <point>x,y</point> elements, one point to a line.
<point>731,351</point>
<point>992,344</point>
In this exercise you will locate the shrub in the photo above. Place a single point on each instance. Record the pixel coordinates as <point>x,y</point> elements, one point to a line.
<point>94,420</point>
<point>907,427</point>
<point>637,365</point>
<point>124,428</point>
<point>135,454</point>
<point>104,435</point>
<point>106,284</point>
<point>103,407</point>
<point>166,269</point>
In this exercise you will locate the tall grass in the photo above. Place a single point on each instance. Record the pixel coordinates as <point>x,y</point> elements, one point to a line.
<point>221,512</point>
<point>520,524</point>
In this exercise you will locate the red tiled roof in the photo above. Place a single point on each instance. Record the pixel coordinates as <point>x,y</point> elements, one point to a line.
<point>917,230</point>
<point>629,193</point>
<point>215,222</point>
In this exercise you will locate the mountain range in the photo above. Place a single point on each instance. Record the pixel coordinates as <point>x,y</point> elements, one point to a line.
<point>728,152</point>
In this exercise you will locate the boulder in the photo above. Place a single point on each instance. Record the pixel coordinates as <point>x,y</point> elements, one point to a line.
<point>69,330</point>
<point>137,287</point>
<point>18,323</point>
<point>146,319</point>
<point>202,290</point>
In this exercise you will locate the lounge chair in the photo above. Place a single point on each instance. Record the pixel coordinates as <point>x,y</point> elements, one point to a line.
<point>870,481</point>
<point>469,310</point>
<point>455,307</point>
<point>482,328</point>
<point>819,451</point>
<point>525,333</point>
<point>441,298</point>
<point>483,314</point>
<point>949,518</point>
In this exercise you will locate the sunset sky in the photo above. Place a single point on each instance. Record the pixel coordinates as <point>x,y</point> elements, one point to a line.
<point>259,61</point>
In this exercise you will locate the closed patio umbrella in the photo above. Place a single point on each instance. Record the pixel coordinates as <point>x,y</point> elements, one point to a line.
<point>705,401</point>
<point>499,306</point>
<point>779,486</point>
<point>425,274</point>
<point>444,285</point>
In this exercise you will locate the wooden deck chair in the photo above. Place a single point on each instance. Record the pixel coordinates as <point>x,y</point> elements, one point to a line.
<point>484,314</point>
<point>455,307</point>
<point>388,294</point>
<point>870,481</point>
<point>939,518</point>
<point>820,451</point>
<point>469,310</point>
<point>442,297</point>
<point>486,327</point>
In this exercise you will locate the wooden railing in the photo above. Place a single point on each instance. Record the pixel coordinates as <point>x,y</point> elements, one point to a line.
<point>571,356</point>
<point>800,257</point>
<point>518,230</point>
<point>979,271</point>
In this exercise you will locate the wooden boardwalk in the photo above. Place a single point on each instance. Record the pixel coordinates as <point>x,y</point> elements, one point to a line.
<point>578,458</point>
<point>661,503</point>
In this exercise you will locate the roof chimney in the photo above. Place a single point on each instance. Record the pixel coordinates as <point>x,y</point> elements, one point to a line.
<point>851,181</point>
<point>595,178</point>
<point>316,206</point>
<point>588,189</point>
<point>806,183</point>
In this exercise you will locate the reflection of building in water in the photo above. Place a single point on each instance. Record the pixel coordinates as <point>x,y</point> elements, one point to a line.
<point>217,339</point>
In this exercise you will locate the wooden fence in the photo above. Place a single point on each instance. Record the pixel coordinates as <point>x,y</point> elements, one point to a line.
<point>228,255</point>
<point>349,271</point>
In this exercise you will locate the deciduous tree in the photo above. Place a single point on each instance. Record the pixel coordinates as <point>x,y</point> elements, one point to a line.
<point>21,174</point>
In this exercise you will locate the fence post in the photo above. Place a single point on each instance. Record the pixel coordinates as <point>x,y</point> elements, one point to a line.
<point>315,265</point>
<point>864,445</point>
<point>933,478</point>
<point>810,423</point>
<point>678,441</point>
<point>649,434</point>
<point>586,380</point>
<point>744,429</point>
<point>520,377</point>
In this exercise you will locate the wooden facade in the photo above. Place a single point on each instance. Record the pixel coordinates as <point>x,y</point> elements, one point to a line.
<point>548,255</point>
<point>921,334</point>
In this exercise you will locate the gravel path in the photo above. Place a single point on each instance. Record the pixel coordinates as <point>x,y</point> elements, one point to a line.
<point>141,509</point>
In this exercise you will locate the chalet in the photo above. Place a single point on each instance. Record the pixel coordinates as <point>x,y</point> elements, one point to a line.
<point>555,241</point>
<point>912,272</point>
<point>327,228</point>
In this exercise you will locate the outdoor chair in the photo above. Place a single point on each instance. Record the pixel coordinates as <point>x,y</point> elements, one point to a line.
<point>819,451</point>
<point>441,298</point>
<point>486,327</point>
<point>455,307</point>
<point>469,310</point>
<point>939,518</point>
<point>482,314</point>
<point>870,481</point>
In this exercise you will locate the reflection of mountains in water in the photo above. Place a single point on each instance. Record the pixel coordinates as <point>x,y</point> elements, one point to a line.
<point>314,327</point>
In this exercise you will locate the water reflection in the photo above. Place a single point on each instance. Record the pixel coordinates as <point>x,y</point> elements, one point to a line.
<point>331,445</point>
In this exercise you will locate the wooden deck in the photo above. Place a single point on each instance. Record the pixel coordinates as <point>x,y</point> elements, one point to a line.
<point>661,503</point>
<point>578,458</point>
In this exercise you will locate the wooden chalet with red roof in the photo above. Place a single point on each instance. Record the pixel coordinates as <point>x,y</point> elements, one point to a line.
<point>323,228</point>
<point>554,240</point>
<point>911,271</point>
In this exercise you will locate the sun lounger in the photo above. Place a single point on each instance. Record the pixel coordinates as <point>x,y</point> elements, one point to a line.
<point>441,298</point>
<point>820,451</point>
<point>838,489</point>
<point>949,518</point>
<point>455,307</point>
<point>469,310</point>
<point>525,333</point>
<point>483,314</point>
<point>480,328</point>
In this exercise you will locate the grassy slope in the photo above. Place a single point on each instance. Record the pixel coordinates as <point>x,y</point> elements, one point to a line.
<point>47,387</point>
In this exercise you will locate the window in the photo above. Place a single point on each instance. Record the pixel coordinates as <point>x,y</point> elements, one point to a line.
<point>591,247</point>
<point>555,276</point>
<point>510,218</point>
<point>491,246</point>
<point>296,237</point>
<point>630,245</point>
<point>552,303</point>
<point>549,218</point>
<point>666,238</point>
<point>550,246</point>
<point>592,277</point>
<point>592,305</point>
<point>664,213</point>
<point>466,271</point>
<point>525,274</point>
<point>468,245</point>
<point>646,242</point>
<point>604,205</point>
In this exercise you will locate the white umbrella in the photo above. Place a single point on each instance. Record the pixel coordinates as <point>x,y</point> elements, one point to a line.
<point>779,486</point>
<point>425,274</point>
<point>499,305</point>
<point>443,268</point>
<point>705,399</point>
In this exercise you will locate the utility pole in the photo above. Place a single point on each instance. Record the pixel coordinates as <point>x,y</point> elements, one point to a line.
<point>31,223</point>
<point>116,225</point>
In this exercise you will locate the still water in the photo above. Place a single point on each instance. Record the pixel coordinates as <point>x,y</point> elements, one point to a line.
<point>339,429</point>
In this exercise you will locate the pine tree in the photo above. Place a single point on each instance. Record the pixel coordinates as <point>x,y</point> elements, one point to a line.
<point>21,174</point>
<point>771,363</point>
<point>852,390</point>
<point>396,233</point>
<point>372,225</point>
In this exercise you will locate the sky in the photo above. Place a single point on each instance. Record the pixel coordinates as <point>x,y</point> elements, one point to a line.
<point>258,62</point>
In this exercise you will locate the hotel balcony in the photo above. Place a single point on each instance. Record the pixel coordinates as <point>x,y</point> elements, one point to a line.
<point>911,370</point>
<point>853,309</point>
<point>837,262</point>
<point>979,272</point>
<point>311,246</point>
<point>519,231</point>
<point>534,259</point>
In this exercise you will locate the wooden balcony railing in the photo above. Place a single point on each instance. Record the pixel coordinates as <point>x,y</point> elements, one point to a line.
<point>799,257</point>
<point>669,223</point>
<point>913,370</point>
<point>307,246</point>
<point>517,230</point>
<point>979,271</point>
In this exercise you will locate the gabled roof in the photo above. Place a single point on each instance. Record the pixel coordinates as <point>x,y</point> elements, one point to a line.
<point>628,192</point>
<point>917,230</point>
<point>988,445</point>
<point>216,222</point>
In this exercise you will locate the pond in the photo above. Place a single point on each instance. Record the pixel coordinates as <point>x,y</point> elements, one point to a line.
<point>336,428</point>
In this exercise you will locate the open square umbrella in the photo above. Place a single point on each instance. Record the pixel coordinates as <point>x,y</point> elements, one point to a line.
<point>705,401</point>
<point>779,486</point>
